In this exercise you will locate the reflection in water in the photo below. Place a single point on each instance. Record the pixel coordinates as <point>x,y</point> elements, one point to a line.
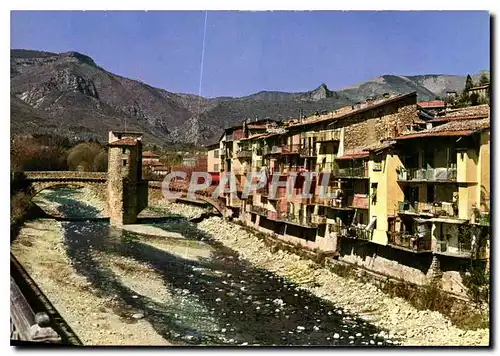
<point>220,300</point>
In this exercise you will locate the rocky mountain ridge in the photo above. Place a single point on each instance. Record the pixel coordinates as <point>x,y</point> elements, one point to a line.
<point>70,95</point>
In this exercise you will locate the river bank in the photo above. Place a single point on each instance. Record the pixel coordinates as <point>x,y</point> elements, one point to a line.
<point>411,326</point>
<point>210,283</point>
<point>39,248</point>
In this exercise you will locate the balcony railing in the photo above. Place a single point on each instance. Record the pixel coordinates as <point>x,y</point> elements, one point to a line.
<point>443,209</point>
<point>258,210</point>
<point>290,149</point>
<point>462,249</point>
<point>328,136</point>
<point>308,151</point>
<point>357,172</point>
<point>295,219</point>
<point>244,154</point>
<point>318,219</point>
<point>409,241</point>
<point>359,233</point>
<point>350,172</point>
<point>428,174</point>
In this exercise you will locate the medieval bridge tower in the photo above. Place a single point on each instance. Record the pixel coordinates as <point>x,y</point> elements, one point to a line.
<point>126,193</point>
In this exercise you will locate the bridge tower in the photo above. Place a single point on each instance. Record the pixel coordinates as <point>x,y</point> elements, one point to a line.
<point>124,176</point>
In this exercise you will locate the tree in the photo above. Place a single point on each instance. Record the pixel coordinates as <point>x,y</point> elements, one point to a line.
<point>483,80</point>
<point>101,161</point>
<point>83,156</point>
<point>468,83</point>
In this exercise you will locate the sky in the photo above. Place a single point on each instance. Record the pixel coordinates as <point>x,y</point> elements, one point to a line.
<point>247,52</point>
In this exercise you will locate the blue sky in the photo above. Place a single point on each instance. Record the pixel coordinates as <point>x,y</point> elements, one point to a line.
<point>246,52</point>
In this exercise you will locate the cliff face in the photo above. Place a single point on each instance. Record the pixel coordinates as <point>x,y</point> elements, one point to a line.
<point>70,95</point>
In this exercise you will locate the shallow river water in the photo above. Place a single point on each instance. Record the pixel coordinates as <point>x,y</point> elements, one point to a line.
<point>215,298</point>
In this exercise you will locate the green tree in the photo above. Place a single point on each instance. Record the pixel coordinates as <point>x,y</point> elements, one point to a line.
<point>101,162</point>
<point>468,82</point>
<point>483,80</point>
<point>83,155</point>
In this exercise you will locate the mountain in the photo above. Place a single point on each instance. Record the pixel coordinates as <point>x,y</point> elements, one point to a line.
<point>70,95</point>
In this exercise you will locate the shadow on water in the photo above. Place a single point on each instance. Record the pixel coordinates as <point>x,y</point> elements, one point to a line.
<point>221,300</point>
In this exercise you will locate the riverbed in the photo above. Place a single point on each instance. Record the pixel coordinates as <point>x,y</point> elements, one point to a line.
<point>167,281</point>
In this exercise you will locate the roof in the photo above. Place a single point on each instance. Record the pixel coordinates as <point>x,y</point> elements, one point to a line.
<point>454,118</point>
<point>149,154</point>
<point>212,146</point>
<point>354,155</point>
<point>431,104</point>
<point>254,126</point>
<point>134,133</point>
<point>469,110</point>
<point>252,137</point>
<point>161,168</point>
<point>467,113</point>
<point>452,128</point>
<point>124,142</point>
<point>344,113</point>
<point>380,146</point>
<point>480,87</point>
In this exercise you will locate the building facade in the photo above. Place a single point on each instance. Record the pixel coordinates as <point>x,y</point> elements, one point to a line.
<point>416,185</point>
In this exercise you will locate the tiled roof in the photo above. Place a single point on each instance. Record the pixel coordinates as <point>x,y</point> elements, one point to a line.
<point>431,104</point>
<point>147,154</point>
<point>161,168</point>
<point>452,128</point>
<point>380,146</point>
<point>480,87</point>
<point>347,111</point>
<point>455,118</point>
<point>252,137</point>
<point>469,110</point>
<point>124,142</point>
<point>354,155</point>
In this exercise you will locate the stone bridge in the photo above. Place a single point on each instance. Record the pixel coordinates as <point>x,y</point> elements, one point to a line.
<point>97,182</point>
<point>41,180</point>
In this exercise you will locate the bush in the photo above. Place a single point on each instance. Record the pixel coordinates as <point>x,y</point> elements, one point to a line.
<point>87,156</point>
<point>29,154</point>
<point>20,204</point>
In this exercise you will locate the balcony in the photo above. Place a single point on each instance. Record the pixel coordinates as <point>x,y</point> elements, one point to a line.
<point>300,220</point>
<point>318,219</point>
<point>328,136</point>
<point>428,174</point>
<point>443,209</point>
<point>272,215</point>
<point>244,154</point>
<point>462,250</point>
<point>266,150</point>
<point>352,172</point>
<point>307,151</point>
<point>290,149</point>
<point>410,242</point>
<point>360,201</point>
<point>359,233</point>
<point>259,210</point>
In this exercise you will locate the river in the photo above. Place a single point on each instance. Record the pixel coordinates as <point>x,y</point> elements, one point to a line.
<point>211,295</point>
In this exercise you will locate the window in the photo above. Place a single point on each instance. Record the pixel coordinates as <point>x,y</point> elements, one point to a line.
<point>430,193</point>
<point>377,163</point>
<point>374,193</point>
<point>216,154</point>
<point>216,167</point>
<point>124,150</point>
<point>124,163</point>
